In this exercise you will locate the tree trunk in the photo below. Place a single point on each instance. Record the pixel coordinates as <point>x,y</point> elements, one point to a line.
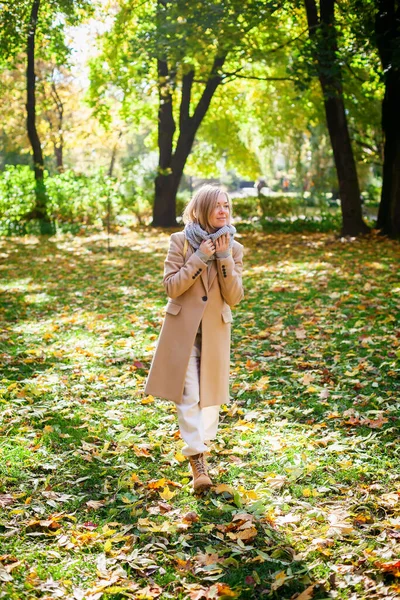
<point>58,153</point>
<point>166,189</point>
<point>388,39</point>
<point>322,31</point>
<point>172,163</point>
<point>114,156</point>
<point>40,210</point>
<point>166,186</point>
<point>59,143</point>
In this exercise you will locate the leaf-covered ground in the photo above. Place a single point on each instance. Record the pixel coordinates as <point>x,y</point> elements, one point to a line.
<point>95,495</point>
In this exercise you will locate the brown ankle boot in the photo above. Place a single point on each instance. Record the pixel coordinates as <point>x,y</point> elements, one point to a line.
<point>201,480</point>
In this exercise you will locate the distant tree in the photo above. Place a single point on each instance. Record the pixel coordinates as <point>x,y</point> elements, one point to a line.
<point>324,50</point>
<point>36,27</point>
<point>387,35</point>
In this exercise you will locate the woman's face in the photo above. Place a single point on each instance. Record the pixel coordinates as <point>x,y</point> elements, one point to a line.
<point>219,215</point>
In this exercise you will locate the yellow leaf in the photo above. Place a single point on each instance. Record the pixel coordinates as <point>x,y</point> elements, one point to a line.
<point>180,457</point>
<point>280,579</point>
<point>307,492</point>
<point>153,485</point>
<point>166,494</point>
<point>48,429</point>
<point>147,400</point>
<point>134,478</point>
<point>224,591</point>
<point>223,487</point>
<point>107,546</point>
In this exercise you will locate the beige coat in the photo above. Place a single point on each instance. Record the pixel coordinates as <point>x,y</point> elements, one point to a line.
<point>197,293</point>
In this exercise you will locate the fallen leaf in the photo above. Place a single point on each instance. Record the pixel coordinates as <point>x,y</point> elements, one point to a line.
<point>307,594</point>
<point>166,494</point>
<point>223,487</point>
<point>6,500</point>
<point>279,580</point>
<point>95,504</point>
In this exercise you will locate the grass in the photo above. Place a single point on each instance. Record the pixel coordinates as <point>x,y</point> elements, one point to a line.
<point>95,497</point>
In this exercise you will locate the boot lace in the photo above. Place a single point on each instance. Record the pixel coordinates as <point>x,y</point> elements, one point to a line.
<point>199,464</point>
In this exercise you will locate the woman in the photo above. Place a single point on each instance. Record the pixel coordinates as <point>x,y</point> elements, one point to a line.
<point>203,279</point>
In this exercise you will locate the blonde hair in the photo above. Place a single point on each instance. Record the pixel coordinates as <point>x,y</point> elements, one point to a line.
<point>199,208</point>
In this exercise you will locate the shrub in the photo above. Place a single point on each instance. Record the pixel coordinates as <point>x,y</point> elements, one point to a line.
<point>279,205</point>
<point>182,199</point>
<point>73,200</point>
<point>17,197</point>
<point>137,191</point>
<point>246,208</point>
<point>324,223</point>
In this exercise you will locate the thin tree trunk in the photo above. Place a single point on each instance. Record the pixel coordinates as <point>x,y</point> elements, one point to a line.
<point>39,211</point>
<point>114,156</point>
<point>322,31</point>
<point>388,40</point>
<point>58,153</point>
<point>59,143</point>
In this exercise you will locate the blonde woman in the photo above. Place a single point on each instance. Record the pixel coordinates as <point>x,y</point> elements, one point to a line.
<point>203,279</point>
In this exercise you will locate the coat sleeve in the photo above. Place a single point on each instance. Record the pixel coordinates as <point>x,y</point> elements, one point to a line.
<point>178,275</point>
<point>230,276</point>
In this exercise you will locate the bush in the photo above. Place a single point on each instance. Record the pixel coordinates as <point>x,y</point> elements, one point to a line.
<point>373,193</point>
<point>73,200</point>
<point>279,205</point>
<point>182,199</point>
<point>17,197</point>
<point>324,223</point>
<point>246,208</point>
<point>137,190</point>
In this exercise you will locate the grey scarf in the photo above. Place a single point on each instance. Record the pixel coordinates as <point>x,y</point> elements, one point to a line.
<point>195,234</point>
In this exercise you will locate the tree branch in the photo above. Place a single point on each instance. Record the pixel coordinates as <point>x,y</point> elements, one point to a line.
<point>211,85</point>
<point>235,75</point>
<point>184,112</point>
<point>288,42</point>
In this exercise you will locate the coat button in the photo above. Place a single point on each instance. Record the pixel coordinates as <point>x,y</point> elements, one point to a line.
<point>204,298</point>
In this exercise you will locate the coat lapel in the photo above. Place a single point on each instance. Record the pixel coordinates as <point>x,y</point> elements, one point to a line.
<point>204,273</point>
<point>212,273</point>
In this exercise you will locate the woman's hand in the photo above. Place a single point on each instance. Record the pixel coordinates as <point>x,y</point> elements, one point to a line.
<point>207,247</point>
<point>222,243</point>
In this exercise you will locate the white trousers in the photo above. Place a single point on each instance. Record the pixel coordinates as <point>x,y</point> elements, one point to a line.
<point>197,425</point>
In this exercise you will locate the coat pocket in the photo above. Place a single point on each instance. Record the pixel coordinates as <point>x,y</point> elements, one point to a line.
<point>172,308</point>
<point>227,315</point>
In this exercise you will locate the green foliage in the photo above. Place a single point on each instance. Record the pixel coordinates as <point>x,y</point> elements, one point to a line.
<point>182,199</point>
<point>17,197</point>
<point>246,208</point>
<point>53,18</point>
<point>326,222</point>
<point>74,199</point>
<point>137,190</point>
<point>279,205</point>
